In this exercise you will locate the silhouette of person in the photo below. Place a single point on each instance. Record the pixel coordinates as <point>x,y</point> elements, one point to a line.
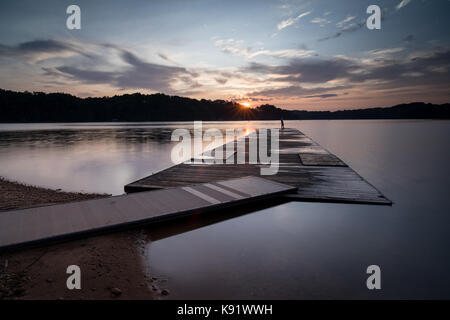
<point>282,123</point>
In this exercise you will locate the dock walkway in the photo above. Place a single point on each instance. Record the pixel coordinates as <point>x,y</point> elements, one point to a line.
<point>38,224</point>
<point>307,172</point>
<point>317,174</point>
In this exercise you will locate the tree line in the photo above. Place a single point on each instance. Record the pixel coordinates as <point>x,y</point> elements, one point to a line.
<point>62,107</point>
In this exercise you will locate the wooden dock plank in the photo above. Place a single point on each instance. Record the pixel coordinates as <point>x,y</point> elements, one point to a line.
<point>327,160</point>
<point>317,173</point>
<point>26,226</point>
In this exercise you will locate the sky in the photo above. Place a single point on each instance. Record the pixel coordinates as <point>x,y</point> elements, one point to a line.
<point>303,54</point>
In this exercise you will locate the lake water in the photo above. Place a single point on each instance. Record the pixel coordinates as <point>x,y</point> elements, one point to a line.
<point>287,251</point>
<point>89,157</point>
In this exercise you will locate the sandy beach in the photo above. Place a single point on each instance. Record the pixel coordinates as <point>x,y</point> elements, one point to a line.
<point>111,264</point>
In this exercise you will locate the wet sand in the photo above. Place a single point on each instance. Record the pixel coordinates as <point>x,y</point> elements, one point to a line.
<point>111,264</point>
<point>17,195</point>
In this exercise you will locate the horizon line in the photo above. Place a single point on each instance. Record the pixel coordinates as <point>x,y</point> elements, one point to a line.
<point>230,101</point>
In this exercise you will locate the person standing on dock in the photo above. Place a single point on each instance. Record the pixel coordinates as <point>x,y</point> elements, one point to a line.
<point>282,123</point>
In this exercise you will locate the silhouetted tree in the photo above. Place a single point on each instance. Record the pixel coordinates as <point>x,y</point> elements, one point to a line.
<point>61,107</point>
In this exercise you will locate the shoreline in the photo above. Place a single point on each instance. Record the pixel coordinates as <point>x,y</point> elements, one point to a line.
<point>111,264</point>
<point>17,195</point>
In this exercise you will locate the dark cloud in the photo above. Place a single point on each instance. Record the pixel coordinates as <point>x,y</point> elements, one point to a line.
<point>221,80</point>
<point>38,47</point>
<point>87,76</point>
<point>149,75</point>
<point>295,91</point>
<point>253,99</point>
<point>259,99</point>
<point>139,74</point>
<point>220,74</point>
<point>350,28</point>
<point>43,46</point>
<point>164,57</point>
<point>426,69</point>
<point>307,70</point>
<point>323,96</point>
<point>409,38</point>
<point>383,71</point>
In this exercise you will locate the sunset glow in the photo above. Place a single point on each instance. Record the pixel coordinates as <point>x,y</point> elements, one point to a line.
<point>308,55</point>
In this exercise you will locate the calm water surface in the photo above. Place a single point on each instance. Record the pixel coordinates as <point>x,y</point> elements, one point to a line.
<point>290,250</point>
<point>92,157</point>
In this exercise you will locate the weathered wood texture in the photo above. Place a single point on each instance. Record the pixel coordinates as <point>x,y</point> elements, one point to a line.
<point>318,174</point>
<point>26,226</point>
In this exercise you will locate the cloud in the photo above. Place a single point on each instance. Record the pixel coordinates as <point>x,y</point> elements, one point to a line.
<point>139,74</point>
<point>295,91</point>
<point>42,46</point>
<point>164,57</point>
<point>409,38</point>
<point>221,80</point>
<point>355,26</point>
<point>239,48</point>
<point>34,47</point>
<point>345,21</point>
<point>306,70</point>
<point>287,53</point>
<point>380,71</point>
<point>321,21</point>
<point>402,4</point>
<point>87,76</point>
<point>323,96</point>
<point>385,52</point>
<point>40,49</point>
<point>294,73</point>
<point>232,46</point>
<point>404,71</point>
<point>346,27</point>
<point>252,99</point>
<point>286,23</point>
<point>100,64</point>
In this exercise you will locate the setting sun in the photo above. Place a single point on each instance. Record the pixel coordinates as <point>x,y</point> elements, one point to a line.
<point>245,104</point>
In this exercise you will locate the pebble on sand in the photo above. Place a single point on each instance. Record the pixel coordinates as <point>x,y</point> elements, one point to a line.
<point>116,291</point>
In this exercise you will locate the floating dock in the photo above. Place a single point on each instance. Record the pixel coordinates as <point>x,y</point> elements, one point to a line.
<point>307,172</point>
<point>317,174</point>
<point>36,225</point>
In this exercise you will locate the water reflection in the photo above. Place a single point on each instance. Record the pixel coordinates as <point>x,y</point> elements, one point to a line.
<point>321,250</point>
<point>287,250</point>
<point>162,230</point>
<point>94,157</point>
